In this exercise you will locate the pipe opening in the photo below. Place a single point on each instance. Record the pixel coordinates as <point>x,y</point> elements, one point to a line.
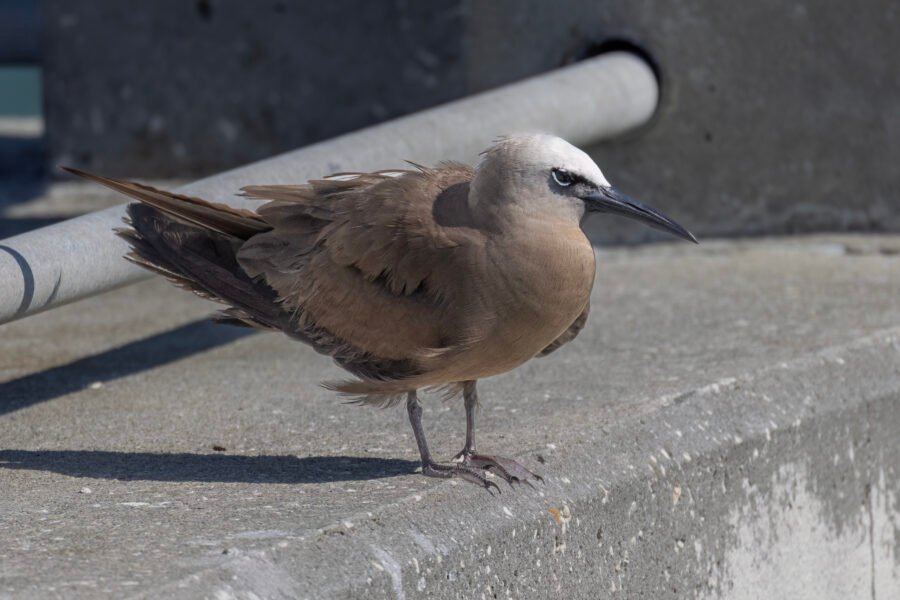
<point>617,44</point>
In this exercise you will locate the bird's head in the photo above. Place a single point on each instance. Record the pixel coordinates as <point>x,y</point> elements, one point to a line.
<point>549,177</point>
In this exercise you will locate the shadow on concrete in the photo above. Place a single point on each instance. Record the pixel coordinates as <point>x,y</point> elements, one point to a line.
<point>23,176</point>
<point>219,468</point>
<point>23,165</point>
<point>11,227</point>
<point>20,181</point>
<point>121,361</point>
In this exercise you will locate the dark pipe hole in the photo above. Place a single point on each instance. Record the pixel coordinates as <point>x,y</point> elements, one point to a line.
<point>621,45</point>
<point>204,9</point>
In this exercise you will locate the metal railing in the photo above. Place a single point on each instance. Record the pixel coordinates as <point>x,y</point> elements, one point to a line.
<point>583,103</point>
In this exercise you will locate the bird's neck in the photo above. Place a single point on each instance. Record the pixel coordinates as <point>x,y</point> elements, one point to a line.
<point>554,261</point>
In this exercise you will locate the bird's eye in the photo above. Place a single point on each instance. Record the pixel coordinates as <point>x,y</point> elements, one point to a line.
<point>562,177</point>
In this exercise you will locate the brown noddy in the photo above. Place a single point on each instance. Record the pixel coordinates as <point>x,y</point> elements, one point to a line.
<point>409,279</point>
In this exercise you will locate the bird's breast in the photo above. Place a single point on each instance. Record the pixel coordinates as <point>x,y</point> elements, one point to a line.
<point>541,283</point>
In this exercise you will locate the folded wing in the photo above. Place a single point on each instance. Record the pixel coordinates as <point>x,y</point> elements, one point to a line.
<point>347,264</point>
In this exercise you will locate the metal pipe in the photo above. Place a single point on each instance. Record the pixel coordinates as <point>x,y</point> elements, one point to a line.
<point>584,103</point>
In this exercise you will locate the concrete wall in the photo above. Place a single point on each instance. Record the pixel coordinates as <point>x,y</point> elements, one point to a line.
<point>774,117</point>
<point>19,31</point>
<point>180,87</point>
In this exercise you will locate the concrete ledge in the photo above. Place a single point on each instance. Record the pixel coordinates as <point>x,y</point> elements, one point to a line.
<point>725,427</point>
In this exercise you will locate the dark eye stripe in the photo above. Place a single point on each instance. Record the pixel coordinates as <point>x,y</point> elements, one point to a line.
<point>568,178</point>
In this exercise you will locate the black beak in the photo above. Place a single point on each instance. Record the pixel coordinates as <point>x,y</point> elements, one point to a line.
<point>609,200</point>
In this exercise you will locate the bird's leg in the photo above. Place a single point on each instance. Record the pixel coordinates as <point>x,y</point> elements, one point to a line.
<point>470,397</point>
<point>429,467</point>
<point>506,468</point>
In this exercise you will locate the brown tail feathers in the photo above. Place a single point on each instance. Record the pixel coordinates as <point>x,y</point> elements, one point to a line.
<point>194,243</point>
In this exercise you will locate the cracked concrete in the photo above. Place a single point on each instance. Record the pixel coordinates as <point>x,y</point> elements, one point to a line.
<point>726,427</point>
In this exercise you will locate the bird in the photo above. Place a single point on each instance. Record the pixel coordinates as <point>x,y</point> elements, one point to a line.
<point>411,279</point>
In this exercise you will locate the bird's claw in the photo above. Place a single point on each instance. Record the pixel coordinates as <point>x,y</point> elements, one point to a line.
<point>505,468</point>
<point>463,471</point>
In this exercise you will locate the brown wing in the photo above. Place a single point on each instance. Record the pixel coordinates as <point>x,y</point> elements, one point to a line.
<point>193,243</point>
<point>355,259</point>
<point>569,334</point>
<point>346,264</point>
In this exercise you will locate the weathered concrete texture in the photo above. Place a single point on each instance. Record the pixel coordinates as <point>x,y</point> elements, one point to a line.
<point>773,118</point>
<point>726,427</point>
<point>195,87</point>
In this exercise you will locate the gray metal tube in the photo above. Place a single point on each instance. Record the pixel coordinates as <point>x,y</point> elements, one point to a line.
<point>584,103</point>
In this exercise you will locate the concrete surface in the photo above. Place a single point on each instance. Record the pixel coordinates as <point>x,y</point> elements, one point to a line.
<point>773,118</point>
<point>725,427</point>
<point>234,81</point>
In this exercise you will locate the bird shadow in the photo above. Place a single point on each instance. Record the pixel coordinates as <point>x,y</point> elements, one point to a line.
<point>218,468</point>
<point>121,361</point>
